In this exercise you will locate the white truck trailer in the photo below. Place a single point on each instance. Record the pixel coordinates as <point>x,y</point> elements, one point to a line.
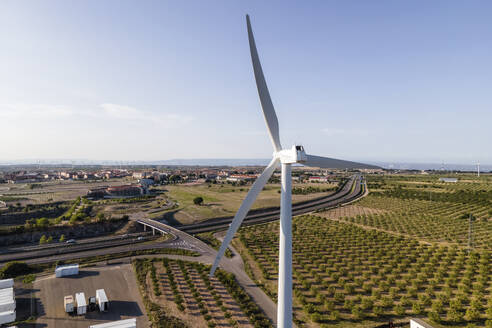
<point>66,270</point>
<point>69,304</point>
<point>81,303</point>
<point>128,323</point>
<point>102,300</point>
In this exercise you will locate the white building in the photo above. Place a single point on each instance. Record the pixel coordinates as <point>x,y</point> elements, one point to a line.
<point>7,301</point>
<point>419,323</point>
<point>452,180</point>
<point>128,323</point>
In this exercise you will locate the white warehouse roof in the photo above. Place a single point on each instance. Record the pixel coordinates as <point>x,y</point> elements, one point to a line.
<point>128,323</point>
<point>6,283</point>
<point>7,299</point>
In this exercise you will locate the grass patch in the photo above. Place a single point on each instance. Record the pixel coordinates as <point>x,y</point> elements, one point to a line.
<point>208,238</point>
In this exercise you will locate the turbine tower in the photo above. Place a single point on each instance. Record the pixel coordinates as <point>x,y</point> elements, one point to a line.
<point>284,157</point>
<point>478,169</point>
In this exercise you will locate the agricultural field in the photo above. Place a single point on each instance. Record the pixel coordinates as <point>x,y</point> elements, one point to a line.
<point>181,294</point>
<point>349,276</point>
<point>412,208</point>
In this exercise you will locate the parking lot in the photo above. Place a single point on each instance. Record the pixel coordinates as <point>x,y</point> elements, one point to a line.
<point>117,280</point>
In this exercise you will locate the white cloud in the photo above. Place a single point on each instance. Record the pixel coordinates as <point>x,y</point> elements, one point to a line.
<point>33,111</point>
<point>122,112</point>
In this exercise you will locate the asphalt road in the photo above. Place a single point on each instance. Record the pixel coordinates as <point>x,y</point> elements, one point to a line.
<point>69,249</point>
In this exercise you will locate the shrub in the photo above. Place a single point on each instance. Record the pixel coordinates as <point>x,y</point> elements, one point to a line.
<point>42,240</point>
<point>14,269</point>
<point>28,279</point>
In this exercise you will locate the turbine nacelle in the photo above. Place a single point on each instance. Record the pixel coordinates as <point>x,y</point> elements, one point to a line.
<point>293,155</point>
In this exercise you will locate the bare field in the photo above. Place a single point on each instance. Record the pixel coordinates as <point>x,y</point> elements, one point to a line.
<point>54,191</point>
<point>119,283</point>
<point>224,200</point>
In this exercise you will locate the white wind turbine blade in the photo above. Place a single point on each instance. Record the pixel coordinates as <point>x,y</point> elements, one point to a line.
<point>266,101</point>
<point>244,208</point>
<point>332,163</point>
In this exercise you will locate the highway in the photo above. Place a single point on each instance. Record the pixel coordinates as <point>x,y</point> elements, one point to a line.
<point>24,255</point>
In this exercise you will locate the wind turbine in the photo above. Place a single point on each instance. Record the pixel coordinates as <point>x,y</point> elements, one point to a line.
<point>478,169</point>
<point>284,157</point>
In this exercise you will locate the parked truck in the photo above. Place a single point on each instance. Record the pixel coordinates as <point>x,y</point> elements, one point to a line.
<point>66,270</point>
<point>81,303</point>
<point>69,305</point>
<point>102,300</point>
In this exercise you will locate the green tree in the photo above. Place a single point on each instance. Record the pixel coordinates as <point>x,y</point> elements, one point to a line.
<point>198,200</point>
<point>14,269</point>
<point>377,310</point>
<point>472,314</point>
<point>62,238</point>
<point>399,309</point>
<point>100,217</point>
<point>417,308</point>
<point>49,240</point>
<point>42,222</point>
<point>356,312</point>
<point>42,240</point>
<point>434,316</point>
<point>455,315</point>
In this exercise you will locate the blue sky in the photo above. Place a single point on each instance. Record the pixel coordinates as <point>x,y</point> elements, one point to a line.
<point>154,80</point>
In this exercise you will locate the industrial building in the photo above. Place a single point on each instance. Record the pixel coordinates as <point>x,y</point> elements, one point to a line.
<point>7,301</point>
